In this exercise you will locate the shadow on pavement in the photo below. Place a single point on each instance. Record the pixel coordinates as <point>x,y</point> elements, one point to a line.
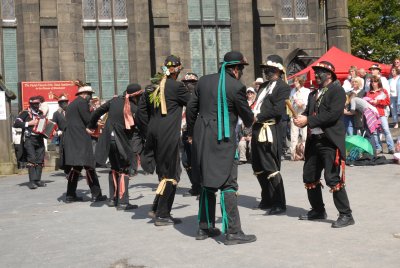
<point>82,193</point>
<point>25,184</point>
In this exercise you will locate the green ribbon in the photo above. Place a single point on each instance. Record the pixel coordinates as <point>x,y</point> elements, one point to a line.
<point>225,221</point>
<point>224,105</point>
<point>204,197</point>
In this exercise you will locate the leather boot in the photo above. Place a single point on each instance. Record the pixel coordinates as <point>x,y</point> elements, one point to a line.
<point>123,198</point>
<point>163,216</point>
<point>73,178</point>
<point>38,180</point>
<point>239,238</point>
<point>278,199</point>
<point>342,201</point>
<point>211,200</point>
<point>112,202</point>
<point>32,177</point>
<point>232,212</point>
<point>152,212</point>
<point>266,195</point>
<point>94,185</point>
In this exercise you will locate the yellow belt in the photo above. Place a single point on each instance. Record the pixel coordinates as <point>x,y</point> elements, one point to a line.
<point>163,183</point>
<point>265,131</point>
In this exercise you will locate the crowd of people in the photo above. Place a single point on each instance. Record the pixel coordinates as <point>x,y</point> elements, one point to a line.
<point>214,123</point>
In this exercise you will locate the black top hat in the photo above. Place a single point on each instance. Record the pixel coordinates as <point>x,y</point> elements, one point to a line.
<point>274,61</point>
<point>235,56</point>
<point>132,88</point>
<point>172,61</point>
<point>327,66</point>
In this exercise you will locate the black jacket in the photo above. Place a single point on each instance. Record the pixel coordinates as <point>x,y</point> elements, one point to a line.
<point>161,150</point>
<point>213,161</point>
<point>328,115</point>
<point>77,142</point>
<point>115,123</point>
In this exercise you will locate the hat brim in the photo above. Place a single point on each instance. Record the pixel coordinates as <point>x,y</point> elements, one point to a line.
<point>84,91</point>
<point>240,63</point>
<point>265,66</point>
<point>315,68</point>
<point>376,68</point>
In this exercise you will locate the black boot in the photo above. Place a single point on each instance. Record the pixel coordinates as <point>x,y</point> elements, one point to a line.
<point>266,195</point>
<point>112,202</point>
<point>94,185</point>
<point>234,234</point>
<point>317,211</point>
<point>73,178</point>
<point>207,215</point>
<point>32,177</point>
<point>123,197</point>
<point>343,206</point>
<point>278,198</point>
<point>163,216</point>
<point>152,212</point>
<point>38,180</point>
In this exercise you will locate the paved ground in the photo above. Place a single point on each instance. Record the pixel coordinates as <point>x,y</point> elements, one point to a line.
<point>37,229</point>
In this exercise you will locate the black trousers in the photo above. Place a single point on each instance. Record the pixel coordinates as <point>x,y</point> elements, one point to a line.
<point>35,150</point>
<point>137,147</point>
<point>187,161</point>
<point>321,156</point>
<point>272,190</point>
<point>207,204</point>
<point>91,177</point>
<point>162,204</point>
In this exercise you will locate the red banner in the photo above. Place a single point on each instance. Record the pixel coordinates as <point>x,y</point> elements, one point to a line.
<point>50,90</point>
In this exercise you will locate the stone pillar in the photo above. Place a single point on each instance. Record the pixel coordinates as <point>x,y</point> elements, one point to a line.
<point>337,25</point>
<point>242,34</point>
<point>139,42</point>
<point>7,156</point>
<point>28,40</point>
<point>179,31</point>
<point>70,38</point>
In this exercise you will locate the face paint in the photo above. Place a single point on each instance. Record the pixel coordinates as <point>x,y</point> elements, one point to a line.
<point>321,77</point>
<point>270,73</point>
<point>63,104</point>
<point>34,106</point>
<point>88,97</point>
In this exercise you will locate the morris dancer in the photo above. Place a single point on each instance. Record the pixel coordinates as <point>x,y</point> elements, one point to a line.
<point>78,147</point>
<point>325,147</point>
<point>267,136</point>
<point>114,143</point>
<point>162,109</point>
<point>212,116</point>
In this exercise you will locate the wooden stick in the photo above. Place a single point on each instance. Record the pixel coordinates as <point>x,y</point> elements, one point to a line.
<point>289,105</point>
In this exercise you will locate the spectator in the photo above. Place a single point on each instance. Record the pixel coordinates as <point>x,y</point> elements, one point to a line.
<point>365,77</point>
<point>18,147</point>
<point>244,133</point>
<point>394,84</point>
<point>299,99</point>
<point>379,98</point>
<point>376,71</point>
<point>352,74</point>
<point>357,89</point>
<point>257,83</point>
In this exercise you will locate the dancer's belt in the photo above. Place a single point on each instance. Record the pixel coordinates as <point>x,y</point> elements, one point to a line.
<point>265,131</point>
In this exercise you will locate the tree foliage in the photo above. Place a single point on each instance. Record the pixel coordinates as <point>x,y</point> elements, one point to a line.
<point>375,29</point>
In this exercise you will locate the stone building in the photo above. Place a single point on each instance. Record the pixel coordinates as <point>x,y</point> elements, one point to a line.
<point>110,43</point>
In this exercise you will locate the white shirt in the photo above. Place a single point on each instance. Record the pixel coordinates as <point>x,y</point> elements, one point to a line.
<point>261,97</point>
<point>301,97</point>
<point>393,86</point>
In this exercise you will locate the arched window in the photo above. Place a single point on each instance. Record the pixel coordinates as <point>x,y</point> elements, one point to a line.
<point>210,34</point>
<point>106,46</point>
<point>294,9</point>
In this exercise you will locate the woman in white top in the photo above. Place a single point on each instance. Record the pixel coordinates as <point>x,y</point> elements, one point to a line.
<point>299,99</point>
<point>394,85</point>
